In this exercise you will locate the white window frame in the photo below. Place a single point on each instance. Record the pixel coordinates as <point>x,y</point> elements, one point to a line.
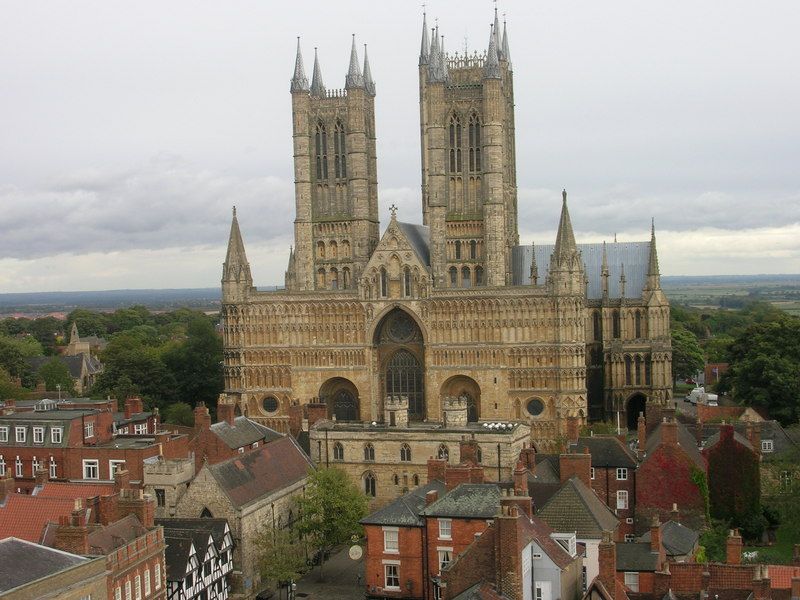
<point>241,450</point>
<point>118,593</point>
<point>113,465</point>
<point>591,472</point>
<point>128,590</point>
<point>137,586</point>
<point>767,446</point>
<point>255,445</point>
<point>629,537</point>
<point>2,466</point>
<point>91,463</point>
<point>38,435</point>
<point>147,588</point>
<point>53,466</point>
<point>88,429</point>
<point>4,434</point>
<point>395,568</point>
<point>622,474</point>
<point>18,467</point>
<point>35,464</point>
<point>445,529</point>
<point>391,540</point>
<point>441,553</point>
<point>157,572</point>
<point>20,433</point>
<point>632,580</point>
<point>622,499</point>
<point>56,435</point>
<point>140,428</point>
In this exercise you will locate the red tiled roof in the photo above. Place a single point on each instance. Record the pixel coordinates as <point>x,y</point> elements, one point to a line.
<point>780,576</point>
<point>731,577</point>
<point>53,489</point>
<point>24,517</point>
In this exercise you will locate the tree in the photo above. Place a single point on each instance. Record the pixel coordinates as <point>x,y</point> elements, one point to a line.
<point>179,413</point>
<point>9,389</point>
<point>330,510</point>
<point>281,556</point>
<point>196,364</point>
<point>89,322</point>
<point>687,357</point>
<point>765,368</point>
<point>55,373</point>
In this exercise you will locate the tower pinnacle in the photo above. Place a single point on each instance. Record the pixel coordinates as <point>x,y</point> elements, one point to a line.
<point>506,53</point>
<point>299,80</point>
<point>565,238</point>
<point>491,69</point>
<point>424,49</point>
<point>369,84</point>
<point>317,87</point>
<point>653,273</point>
<point>354,78</point>
<point>236,267</point>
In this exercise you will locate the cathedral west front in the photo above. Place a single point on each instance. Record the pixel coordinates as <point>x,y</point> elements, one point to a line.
<point>454,307</point>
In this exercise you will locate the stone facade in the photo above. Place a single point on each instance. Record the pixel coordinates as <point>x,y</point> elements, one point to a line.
<point>451,308</point>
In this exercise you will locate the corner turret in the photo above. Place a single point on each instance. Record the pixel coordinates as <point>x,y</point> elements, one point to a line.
<point>236,277</point>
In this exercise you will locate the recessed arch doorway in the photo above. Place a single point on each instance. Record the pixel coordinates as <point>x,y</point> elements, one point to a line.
<point>399,344</point>
<point>461,386</point>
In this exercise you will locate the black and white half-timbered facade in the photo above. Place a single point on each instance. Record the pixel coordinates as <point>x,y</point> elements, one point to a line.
<point>199,557</point>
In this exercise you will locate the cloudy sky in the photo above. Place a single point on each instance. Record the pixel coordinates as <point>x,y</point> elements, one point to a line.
<point>129,129</point>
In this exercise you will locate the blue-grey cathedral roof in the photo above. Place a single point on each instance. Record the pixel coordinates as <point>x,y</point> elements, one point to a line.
<point>632,256</point>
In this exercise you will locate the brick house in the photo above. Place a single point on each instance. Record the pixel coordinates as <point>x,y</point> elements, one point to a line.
<point>734,475</point>
<point>576,508</point>
<point>613,477</point>
<point>251,491</point>
<point>76,444</point>
<point>680,543</point>
<point>666,476</point>
<point>230,436</point>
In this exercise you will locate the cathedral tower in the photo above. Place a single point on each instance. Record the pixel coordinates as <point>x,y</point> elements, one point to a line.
<point>469,188</point>
<point>336,224</point>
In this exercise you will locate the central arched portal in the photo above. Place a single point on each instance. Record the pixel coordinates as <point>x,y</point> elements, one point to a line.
<point>401,361</point>
<point>636,404</point>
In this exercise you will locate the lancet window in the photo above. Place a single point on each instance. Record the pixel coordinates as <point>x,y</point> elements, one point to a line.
<point>321,151</point>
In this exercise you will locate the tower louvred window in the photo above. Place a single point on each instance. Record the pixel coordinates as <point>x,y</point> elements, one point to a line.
<point>474,143</point>
<point>455,144</point>
<point>340,151</point>
<point>321,151</point>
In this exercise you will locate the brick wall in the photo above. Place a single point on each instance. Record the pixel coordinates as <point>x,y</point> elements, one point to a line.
<point>605,484</point>
<point>462,535</point>
<point>410,557</point>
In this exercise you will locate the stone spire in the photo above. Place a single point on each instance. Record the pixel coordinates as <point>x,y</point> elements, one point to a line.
<point>565,238</point>
<point>622,280</point>
<point>299,80</point>
<point>435,71</point>
<point>74,338</point>
<point>443,60</point>
<point>491,69</point>
<point>369,84</point>
<point>317,87</point>
<point>506,53</point>
<point>236,267</point>
<point>354,77</point>
<point>290,274</point>
<point>424,49</point>
<point>534,266</point>
<point>496,32</point>
<point>604,272</point>
<point>653,273</point>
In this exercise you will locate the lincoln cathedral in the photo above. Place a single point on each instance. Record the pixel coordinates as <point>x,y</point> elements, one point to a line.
<point>455,309</point>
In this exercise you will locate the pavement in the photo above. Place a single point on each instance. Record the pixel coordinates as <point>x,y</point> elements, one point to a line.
<point>341,579</point>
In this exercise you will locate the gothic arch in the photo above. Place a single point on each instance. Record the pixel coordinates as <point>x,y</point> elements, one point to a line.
<point>342,398</point>
<point>461,385</point>
<point>634,405</point>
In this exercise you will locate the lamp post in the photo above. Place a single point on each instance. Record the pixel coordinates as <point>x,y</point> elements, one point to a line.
<point>58,387</point>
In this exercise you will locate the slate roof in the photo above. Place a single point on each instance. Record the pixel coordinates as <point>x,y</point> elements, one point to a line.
<point>258,473</point>
<point>176,555</point>
<point>405,510</point>
<point>216,527</point>
<point>179,534</point>
<point>677,539</point>
<point>74,364</point>
<point>22,562</point>
<point>685,440</point>
<point>577,508</point>
<point>541,493</point>
<point>419,237</point>
<point>634,255</point>
<point>243,433</point>
<point>606,451</point>
<point>636,556</point>
<point>24,516</point>
<point>714,439</point>
<point>467,501</point>
<point>105,540</point>
<point>782,439</point>
<point>480,591</point>
<point>547,469</point>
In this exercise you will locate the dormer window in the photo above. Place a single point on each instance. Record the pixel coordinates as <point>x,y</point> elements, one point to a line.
<point>567,541</point>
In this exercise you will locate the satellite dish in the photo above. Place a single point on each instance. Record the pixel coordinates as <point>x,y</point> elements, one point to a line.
<point>356,552</point>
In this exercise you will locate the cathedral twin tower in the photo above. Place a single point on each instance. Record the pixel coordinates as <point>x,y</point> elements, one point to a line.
<point>469,193</point>
<point>452,308</point>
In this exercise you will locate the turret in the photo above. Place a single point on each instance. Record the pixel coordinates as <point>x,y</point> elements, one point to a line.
<point>369,84</point>
<point>299,80</point>
<point>566,266</point>
<point>653,274</point>
<point>534,266</point>
<point>354,78</point>
<point>505,53</point>
<point>236,277</point>
<point>424,49</point>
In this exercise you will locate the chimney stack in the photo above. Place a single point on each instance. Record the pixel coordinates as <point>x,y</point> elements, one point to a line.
<point>528,457</point>
<point>468,449</point>
<point>608,563</point>
<point>436,469</point>
<point>6,487</point>
<point>202,420</point>
<point>655,535</point>
<point>226,412</point>
<point>520,479</point>
<point>733,548</point>
<point>576,464</point>
<point>72,534</point>
<point>669,432</point>
<point>431,497</point>
<point>641,430</point>
<point>754,436</point>
<point>317,411</point>
<point>795,588</point>
<point>122,479</point>
<point>133,406</point>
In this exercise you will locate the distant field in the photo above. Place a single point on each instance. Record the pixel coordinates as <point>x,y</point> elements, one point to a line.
<point>734,291</point>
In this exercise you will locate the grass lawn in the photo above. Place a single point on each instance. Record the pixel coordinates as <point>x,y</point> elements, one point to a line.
<point>780,552</point>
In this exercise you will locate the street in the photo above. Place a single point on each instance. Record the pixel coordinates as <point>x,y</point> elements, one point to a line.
<point>341,579</point>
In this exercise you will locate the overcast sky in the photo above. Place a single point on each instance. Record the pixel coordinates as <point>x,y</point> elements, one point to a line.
<point>129,129</point>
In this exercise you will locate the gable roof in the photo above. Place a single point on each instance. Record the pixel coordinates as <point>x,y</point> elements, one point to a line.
<point>405,510</point>
<point>467,501</point>
<point>215,527</point>
<point>677,539</point>
<point>176,555</point>
<point>577,508</point>
<point>539,531</point>
<point>606,451</point>
<point>419,237</point>
<point>105,540</point>
<point>22,562</point>
<point>686,442</point>
<point>243,432</point>
<point>636,556</point>
<point>261,472</point>
<point>714,439</point>
<point>25,517</point>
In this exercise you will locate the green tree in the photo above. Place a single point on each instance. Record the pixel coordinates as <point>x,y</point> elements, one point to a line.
<point>330,510</point>
<point>281,556</point>
<point>687,357</point>
<point>89,322</point>
<point>55,373</point>
<point>713,539</point>
<point>179,413</point>
<point>196,364</point>
<point>12,358</point>
<point>717,349</point>
<point>9,389</point>
<point>765,368</point>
